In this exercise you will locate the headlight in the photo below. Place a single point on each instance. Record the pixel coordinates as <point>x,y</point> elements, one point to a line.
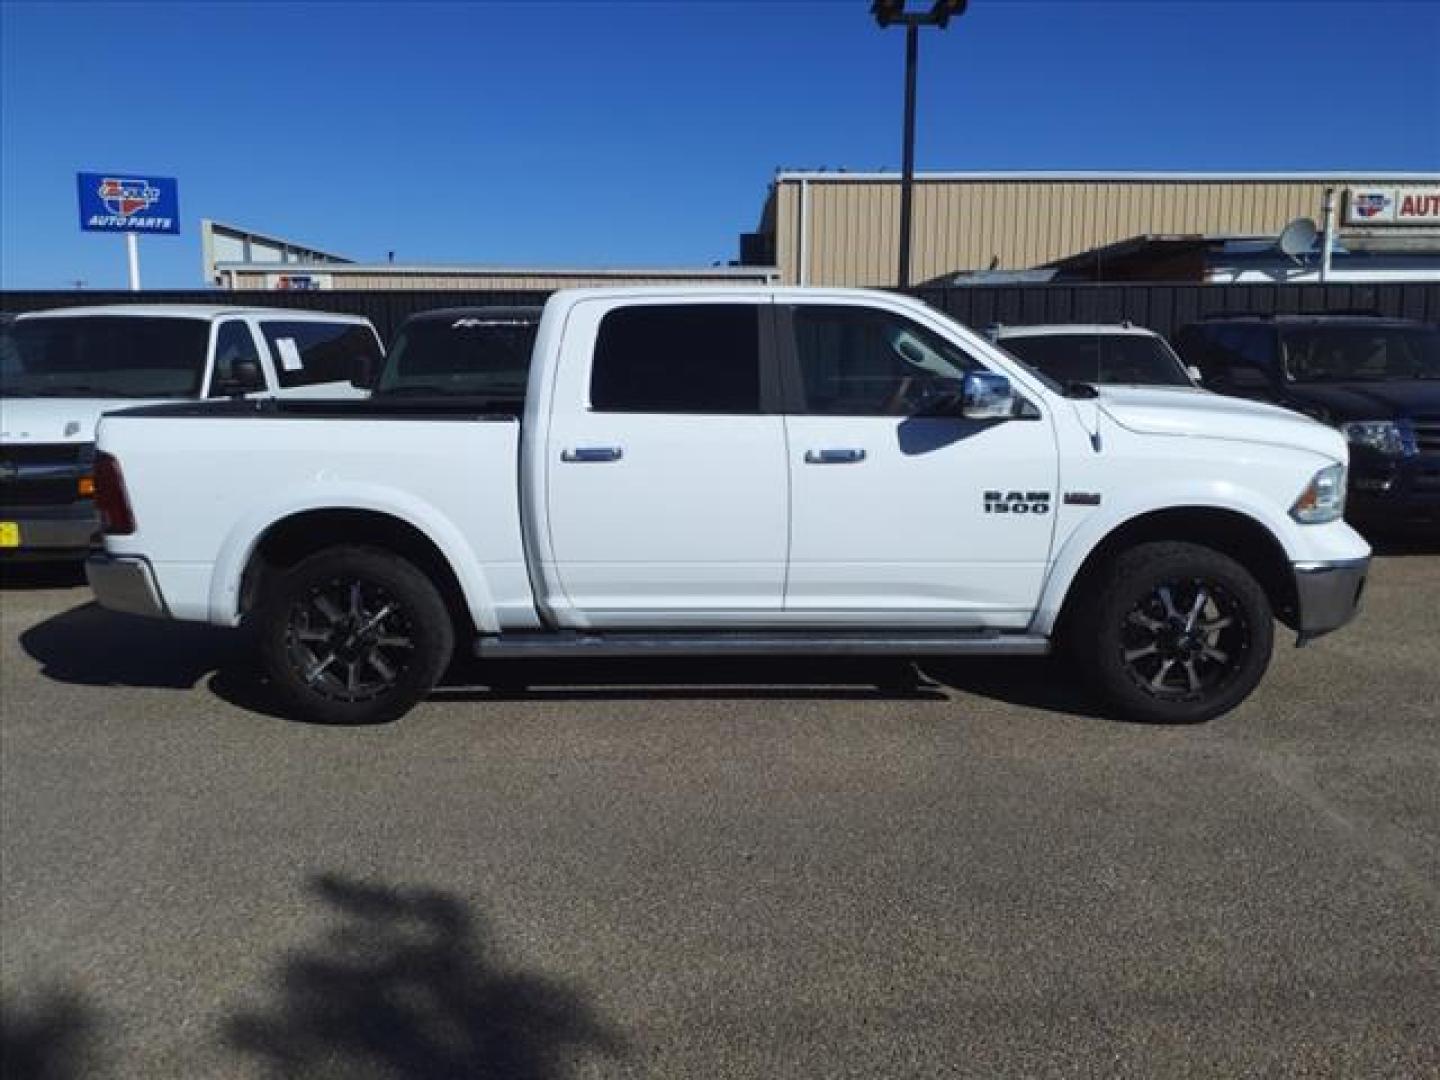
<point>1323,498</point>
<point>1383,436</point>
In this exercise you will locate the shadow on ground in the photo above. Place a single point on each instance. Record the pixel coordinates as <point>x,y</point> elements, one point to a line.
<point>405,983</point>
<point>90,646</point>
<point>51,1037</point>
<point>19,575</point>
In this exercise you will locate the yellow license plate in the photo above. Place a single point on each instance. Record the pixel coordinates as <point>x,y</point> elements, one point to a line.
<point>9,534</point>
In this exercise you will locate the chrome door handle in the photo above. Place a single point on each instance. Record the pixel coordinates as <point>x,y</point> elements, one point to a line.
<point>592,453</point>
<point>835,456</point>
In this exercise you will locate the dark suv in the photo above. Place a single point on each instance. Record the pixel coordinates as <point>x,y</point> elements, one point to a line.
<point>1376,379</point>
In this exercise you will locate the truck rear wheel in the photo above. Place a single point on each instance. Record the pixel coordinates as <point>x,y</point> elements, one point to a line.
<point>1173,633</point>
<point>353,635</point>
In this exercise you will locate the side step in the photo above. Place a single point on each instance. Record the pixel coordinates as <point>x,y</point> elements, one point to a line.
<point>618,643</point>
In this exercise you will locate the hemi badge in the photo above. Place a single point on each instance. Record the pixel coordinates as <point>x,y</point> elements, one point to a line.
<point>1082,498</point>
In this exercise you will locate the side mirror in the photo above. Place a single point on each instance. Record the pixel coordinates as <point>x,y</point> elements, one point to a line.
<point>245,377</point>
<point>986,396</point>
<point>1194,373</point>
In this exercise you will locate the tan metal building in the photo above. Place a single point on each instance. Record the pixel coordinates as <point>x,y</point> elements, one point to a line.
<point>837,228</point>
<point>300,276</point>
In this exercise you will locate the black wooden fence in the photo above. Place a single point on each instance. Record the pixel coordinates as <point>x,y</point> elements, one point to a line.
<point>1164,307</point>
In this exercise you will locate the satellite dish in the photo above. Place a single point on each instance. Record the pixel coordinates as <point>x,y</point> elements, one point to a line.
<point>1298,238</point>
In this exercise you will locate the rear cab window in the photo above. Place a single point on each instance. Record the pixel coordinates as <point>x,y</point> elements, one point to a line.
<point>313,352</point>
<point>478,354</point>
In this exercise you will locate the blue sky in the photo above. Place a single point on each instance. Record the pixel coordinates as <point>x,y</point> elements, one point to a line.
<point>644,133</point>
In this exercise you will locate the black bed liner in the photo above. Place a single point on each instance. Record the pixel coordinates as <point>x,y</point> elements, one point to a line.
<point>381,408</point>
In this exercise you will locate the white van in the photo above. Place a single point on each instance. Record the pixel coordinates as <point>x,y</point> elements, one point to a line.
<point>61,370</point>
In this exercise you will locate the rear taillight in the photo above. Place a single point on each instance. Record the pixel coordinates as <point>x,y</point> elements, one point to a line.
<point>116,518</point>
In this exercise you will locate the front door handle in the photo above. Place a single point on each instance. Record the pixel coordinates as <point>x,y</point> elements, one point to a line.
<point>847,455</point>
<point>592,453</point>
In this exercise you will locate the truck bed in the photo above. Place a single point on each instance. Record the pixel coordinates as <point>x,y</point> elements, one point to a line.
<point>384,407</point>
<point>204,493</point>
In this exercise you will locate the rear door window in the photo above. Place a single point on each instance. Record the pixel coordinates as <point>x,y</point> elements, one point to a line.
<point>308,353</point>
<point>678,358</point>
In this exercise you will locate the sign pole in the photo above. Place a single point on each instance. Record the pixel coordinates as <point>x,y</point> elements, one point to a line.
<point>132,244</point>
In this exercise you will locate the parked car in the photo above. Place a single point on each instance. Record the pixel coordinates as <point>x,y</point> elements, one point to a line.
<point>1376,379</point>
<point>475,351</point>
<point>60,370</point>
<point>738,471</point>
<point>1100,354</point>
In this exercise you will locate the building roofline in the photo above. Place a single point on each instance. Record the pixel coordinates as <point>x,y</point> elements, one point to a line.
<point>268,238</point>
<point>439,269</point>
<point>1119,176</point>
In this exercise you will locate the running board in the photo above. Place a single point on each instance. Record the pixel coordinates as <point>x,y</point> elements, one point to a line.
<point>758,643</point>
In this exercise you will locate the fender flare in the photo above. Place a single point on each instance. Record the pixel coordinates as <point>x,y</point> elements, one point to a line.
<point>1095,530</point>
<point>244,536</point>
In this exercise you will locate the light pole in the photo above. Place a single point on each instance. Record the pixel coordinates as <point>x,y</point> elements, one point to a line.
<point>892,13</point>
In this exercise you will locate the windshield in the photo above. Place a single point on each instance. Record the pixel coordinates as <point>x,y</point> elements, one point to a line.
<point>1362,353</point>
<point>104,356</point>
<point>468,355</point>
<point>1123,359</point>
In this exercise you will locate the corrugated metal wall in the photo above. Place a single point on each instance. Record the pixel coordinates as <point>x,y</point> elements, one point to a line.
<point>964,224</point>
<point>1163,307</point>
<point>473,281</point>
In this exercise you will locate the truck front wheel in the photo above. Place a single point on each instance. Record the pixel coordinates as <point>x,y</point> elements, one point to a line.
<point>1173,633</point>
<point>353,635</point>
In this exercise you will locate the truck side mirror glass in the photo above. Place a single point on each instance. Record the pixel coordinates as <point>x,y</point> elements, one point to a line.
<point>986,396</point>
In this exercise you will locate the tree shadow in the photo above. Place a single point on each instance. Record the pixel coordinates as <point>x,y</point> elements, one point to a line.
<point>50,1038</point>
<point>404,985</point>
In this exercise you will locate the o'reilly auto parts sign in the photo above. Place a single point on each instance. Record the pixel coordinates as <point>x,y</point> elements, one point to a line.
<point>128,202</point>
<point>1392,206</point>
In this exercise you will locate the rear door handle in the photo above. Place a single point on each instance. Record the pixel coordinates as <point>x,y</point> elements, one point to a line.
<point>592,453</point>
<point>846,455</point>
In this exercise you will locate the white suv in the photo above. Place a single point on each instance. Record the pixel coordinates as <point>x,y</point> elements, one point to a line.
<point>1099,354</point>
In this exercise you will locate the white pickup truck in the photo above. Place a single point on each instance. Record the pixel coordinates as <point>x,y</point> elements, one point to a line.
<point>734,471</point>
<point>60,370</point>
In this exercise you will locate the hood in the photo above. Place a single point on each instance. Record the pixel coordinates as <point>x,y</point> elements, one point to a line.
<point>1201,414</point>
<point>1376,400</point>
<point>56,419</point>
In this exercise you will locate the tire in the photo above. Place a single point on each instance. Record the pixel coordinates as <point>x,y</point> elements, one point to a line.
<point>1156,650</point>
<point>321,669</point>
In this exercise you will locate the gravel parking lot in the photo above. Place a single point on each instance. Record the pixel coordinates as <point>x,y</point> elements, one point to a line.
<point>717,870</point>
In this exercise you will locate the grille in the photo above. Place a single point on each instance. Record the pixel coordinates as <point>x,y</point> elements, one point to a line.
<point>18,493</point>
<point>59,466</point>
<point>1427,434</point>
<point>43,453</point>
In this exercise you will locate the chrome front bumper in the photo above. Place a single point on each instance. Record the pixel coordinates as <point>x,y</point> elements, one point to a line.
<point>125,584</point>
<point>1328,595</point>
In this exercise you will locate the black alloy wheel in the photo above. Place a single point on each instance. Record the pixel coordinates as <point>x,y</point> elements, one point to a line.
<point>1171,632</point>
<point>353,635</point>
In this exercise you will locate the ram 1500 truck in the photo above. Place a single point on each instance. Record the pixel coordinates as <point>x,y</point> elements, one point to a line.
<point>737,471</point>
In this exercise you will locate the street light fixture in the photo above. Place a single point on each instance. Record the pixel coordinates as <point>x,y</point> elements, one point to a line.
<point>893,13</point>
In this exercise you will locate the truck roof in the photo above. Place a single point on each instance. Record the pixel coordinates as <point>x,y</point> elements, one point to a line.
<point>529,313</point>
<point>207,312</point>
<point>1057,329</point>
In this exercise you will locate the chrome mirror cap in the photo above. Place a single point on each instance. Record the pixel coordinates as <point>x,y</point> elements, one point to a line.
<point>987,396</point>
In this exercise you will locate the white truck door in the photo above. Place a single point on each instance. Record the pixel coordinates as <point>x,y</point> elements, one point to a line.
<point>666,499</point>
<point>899,518</point>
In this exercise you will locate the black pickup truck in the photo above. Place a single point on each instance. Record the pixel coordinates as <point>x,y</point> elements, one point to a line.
<point>481,352</point>
<point>1376,379</point>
